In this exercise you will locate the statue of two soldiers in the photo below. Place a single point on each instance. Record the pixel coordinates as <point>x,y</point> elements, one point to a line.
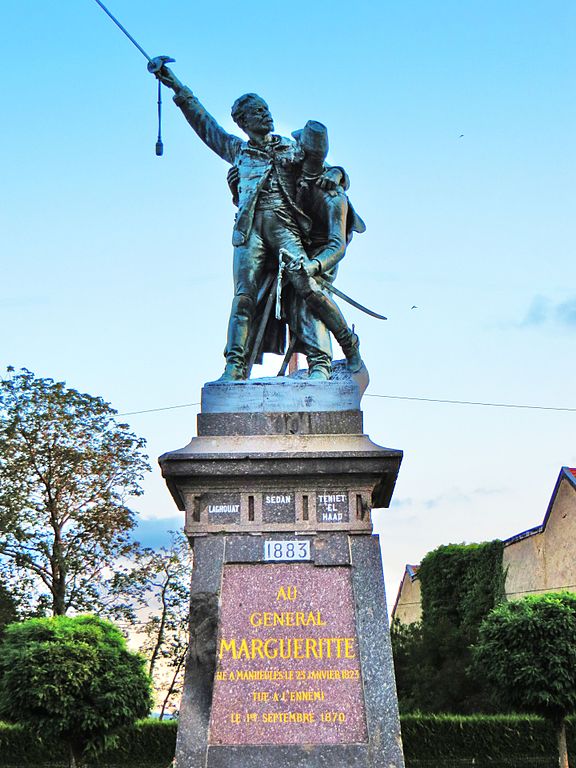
<point>293,216</point>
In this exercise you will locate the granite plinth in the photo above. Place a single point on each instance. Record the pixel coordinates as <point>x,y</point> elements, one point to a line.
<point>287,667</point>
<point>290,662</point>
<point>350,467</point>
<point>342,585</point>
<point>281,423</point>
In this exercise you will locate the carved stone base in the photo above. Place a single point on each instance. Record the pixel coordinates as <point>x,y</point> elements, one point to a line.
<point>290,663</point>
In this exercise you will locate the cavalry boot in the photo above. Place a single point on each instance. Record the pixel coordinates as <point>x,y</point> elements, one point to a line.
<point>237,340</point>
<point>329,312</point>
<point>317,373</point>
<point>319,364</point>
<point>350,344</point>
<point>233,372</point>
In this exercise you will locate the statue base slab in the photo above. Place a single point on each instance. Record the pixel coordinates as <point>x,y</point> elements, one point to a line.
<point>290,661</point>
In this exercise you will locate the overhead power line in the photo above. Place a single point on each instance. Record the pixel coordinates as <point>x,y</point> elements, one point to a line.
<point>154,410</point>
<point>474,402</point>
<point>396,397</point>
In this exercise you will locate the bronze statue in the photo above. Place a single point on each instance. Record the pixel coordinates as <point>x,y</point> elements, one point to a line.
<point>333,221</point>
<point>289,201</point>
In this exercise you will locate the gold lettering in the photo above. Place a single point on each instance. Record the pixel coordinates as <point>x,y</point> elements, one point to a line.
<point>288,593</point>
<point>243,650</point>
<point>230,647</point>
<point>311,648</point>
<point>267,645</point>
<point>285,649</point>
<point>288,717</point>
<point>257,645</point>
<point>297,645</point>
<point>288,647</point>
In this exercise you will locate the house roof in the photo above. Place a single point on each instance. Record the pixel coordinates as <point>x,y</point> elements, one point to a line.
<point>566,473</point>
<point>411,571</point>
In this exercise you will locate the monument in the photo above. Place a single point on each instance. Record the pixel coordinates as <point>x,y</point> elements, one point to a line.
<point>290,662</point>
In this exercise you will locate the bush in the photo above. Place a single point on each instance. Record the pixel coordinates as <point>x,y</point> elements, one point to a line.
<point>430,741</point>
<point>527,651</point>
<point>460,584</point>
<point>483,737</point>
<point>72,681</point>
<point>150,741</point>
<point>19,747</point>
<point>150,744</point>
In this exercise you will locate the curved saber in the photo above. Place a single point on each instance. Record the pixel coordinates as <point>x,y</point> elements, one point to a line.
<point>332,288</point>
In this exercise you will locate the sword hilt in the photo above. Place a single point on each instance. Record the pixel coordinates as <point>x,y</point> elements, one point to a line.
<point>156,64</point>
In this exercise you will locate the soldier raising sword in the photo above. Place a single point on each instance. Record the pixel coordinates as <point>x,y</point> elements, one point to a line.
<point>269,219</point>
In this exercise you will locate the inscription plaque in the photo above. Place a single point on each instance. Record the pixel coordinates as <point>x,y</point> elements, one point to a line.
<point>287,664</point>
<point>278,507</point>
<point>287,550</point>
<point>221,508</point>
<point>332,507</point>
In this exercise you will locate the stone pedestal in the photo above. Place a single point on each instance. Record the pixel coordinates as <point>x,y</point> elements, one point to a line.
<point>290,662</point>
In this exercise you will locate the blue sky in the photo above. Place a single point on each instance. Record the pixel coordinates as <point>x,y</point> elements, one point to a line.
<point>456,123</point>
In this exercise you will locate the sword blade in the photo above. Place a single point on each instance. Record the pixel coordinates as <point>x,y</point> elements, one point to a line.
<point>128,35</point>
<point>337,292</point>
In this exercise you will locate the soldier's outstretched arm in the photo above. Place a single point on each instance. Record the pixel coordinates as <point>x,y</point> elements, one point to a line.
<point>225,144</point>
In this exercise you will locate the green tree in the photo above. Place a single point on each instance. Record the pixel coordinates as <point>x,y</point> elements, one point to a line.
<point>67,469</point>
<point>72,679</point>
<point>408,663</point>
<point>527,651</point>
<point>460,584</point>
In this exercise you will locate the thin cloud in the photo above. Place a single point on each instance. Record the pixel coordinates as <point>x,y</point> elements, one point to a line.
<point>544,312</point>
<point>538,312</point>
<point>566,313</point>
<point>451,497</point>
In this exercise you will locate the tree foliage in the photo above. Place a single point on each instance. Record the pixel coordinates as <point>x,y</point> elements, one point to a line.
<point>527,651</point>
<point>67,469</point>
<point>72,679</point>
<point>460,584</point>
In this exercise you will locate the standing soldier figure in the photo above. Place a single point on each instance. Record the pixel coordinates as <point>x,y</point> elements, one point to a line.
<point>268,217</point>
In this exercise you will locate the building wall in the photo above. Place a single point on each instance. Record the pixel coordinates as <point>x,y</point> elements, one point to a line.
<point>545,562</point>
<point>560,535</point>
<point>542,561</point>
<point>524,565</point>
<point>408,608</point>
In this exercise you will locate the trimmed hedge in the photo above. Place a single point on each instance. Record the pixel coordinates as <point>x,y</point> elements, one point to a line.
<point>483,737</point>
<point>151,744</point>
<point>19,748</point>
<point>151,741</point>
<point>430,741</point>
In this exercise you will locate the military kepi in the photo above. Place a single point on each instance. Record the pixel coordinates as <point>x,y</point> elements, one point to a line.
<point>313,138</point>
